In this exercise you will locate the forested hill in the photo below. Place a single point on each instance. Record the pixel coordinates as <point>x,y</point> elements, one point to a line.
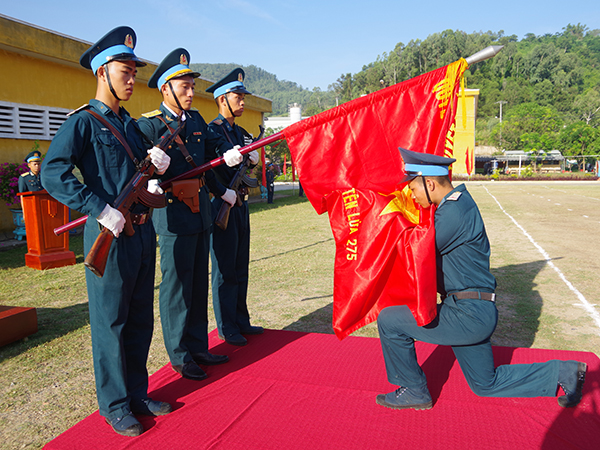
<point>260,82</point>
<point>548,86</point>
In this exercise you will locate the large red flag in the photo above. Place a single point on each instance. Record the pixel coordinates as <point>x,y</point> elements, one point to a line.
<point>350,166</point>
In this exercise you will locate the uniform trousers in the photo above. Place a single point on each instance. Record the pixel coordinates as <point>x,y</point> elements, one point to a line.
<point>466,325</point>
<point>184,294</point>
<point>122,317</point>
<point>230,257</point>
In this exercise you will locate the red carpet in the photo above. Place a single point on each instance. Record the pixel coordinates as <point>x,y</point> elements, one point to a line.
<point>290,390</point>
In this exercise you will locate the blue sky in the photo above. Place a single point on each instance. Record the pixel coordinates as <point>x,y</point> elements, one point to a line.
<point>310,42</point>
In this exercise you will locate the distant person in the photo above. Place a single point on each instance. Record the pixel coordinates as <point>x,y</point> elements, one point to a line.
<point>270,183</point>
<point>300,190</point>
<point>30,181</point>
<point>467,316</point>
<point>121,302</point>
<point>230,248</point>
<point>183,226</point>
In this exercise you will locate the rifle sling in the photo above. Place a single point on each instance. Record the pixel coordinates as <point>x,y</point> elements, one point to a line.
<point>179,142</point>
<point>116,134</point>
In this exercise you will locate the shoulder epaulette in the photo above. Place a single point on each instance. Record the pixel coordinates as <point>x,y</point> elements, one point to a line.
<point>81,108</point>
<point>156,112</point>
<point>218,121</point>
<point>454,195</point>
<point>25,174</point>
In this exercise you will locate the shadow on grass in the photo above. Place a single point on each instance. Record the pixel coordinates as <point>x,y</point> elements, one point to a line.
<point>13,258</point>
<point>281,199</point>
<point>318,321</point>
<point>53,323</point>
<point>519,304</point>
<point>292,251</point>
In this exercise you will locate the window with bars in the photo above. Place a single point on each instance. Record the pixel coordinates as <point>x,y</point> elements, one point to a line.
<point>19,121</point>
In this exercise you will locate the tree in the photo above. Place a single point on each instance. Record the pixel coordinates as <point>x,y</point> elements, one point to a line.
<point>528,118</point>
<point>580,139</point>
<point>587,106</point>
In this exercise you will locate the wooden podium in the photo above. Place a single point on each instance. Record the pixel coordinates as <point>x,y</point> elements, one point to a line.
<point>42,214</point>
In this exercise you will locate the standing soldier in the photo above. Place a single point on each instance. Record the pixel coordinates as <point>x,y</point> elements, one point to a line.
<point>121,302</point>
<point>183,227</point>
<point>230,254</point>
<point>30,181</point>
<point>270,183</point>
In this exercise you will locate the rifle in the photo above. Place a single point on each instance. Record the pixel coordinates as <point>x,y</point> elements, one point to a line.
<point>98,254</point>
<point>187,175</point>
<point>240,178</point>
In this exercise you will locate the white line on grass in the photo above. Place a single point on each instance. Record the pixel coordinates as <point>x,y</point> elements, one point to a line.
<point>586,305</point>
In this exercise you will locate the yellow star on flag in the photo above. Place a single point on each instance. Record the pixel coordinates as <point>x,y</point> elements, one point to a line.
<point>402,203</point>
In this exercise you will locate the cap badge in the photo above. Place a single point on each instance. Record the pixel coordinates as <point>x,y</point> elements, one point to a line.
<point>240,77</point>
<point>129,41</point>
<point>183,60</point>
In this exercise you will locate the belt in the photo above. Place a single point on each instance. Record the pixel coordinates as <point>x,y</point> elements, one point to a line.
<point>490,297</point>
<point>139,219</point>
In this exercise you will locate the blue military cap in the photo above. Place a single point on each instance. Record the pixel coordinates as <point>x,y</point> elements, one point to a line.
<point>176,64</point>
<point>33,156</point>
<point>116,45</point>
<point>424,164</point>
<point>233,82</point>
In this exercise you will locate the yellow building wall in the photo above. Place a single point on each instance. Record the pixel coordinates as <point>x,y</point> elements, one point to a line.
<point>39,67</point>
<point>464,137</point>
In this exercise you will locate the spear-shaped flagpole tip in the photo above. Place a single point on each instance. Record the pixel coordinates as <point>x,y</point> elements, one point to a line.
<point>486,53</point>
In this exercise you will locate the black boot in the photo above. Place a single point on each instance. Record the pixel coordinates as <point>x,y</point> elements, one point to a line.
<point>571,376</point>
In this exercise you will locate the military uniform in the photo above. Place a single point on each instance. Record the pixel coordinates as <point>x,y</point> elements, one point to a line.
<point>467,316</point>
<point>270,184</point>
<point>230,248</point>
<point>184,236</point>
<point>183,226</point>
<point>28,181</point>
<point>120,302</point>
<point>463,254</point>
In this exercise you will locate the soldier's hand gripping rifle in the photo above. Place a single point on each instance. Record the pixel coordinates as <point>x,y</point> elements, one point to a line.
<point>186,175</point>
<point>98,254</point>
<point>239,182</point>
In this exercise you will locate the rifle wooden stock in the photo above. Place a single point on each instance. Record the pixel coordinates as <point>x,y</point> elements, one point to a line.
<point>98,254</point>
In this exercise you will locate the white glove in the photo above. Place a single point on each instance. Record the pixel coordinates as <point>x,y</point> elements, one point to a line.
<point>233,156</point>
<point>112,219</point>
<point>154,188</point>
<point>160,159</point>
<point>230,196</point>
<point>253,157</point>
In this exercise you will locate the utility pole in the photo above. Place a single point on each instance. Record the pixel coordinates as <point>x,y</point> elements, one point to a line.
<point>501,102</point>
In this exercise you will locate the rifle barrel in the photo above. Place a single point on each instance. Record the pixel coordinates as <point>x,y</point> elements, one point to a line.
<point>218,161</point>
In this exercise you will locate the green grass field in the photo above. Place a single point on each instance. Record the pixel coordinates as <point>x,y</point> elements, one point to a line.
<point>544,239</point>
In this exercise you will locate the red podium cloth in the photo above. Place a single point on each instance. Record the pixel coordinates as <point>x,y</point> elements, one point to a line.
<point>291,390</point>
